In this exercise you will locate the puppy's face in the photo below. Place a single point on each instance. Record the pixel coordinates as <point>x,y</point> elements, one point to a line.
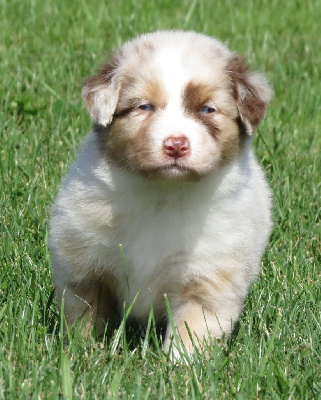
<point>175,105</point>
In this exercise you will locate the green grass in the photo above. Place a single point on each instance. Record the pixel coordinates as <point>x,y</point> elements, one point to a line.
<point>46,49</point>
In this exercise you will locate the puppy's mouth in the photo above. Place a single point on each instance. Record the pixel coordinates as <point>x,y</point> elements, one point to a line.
<point>174,171</point>
<point>177,167</point>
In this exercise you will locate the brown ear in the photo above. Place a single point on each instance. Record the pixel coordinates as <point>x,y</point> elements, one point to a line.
<point>251,91</point>
<point>100,93</point>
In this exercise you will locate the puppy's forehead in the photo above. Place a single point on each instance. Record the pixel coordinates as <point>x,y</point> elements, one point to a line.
<point>175,59</point>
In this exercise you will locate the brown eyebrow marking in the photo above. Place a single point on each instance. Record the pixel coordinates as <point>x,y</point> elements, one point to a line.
<point>155,93</point>
<point>137,91</point>
<point>196,95</point>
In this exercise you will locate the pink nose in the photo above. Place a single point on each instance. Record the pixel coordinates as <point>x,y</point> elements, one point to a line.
<point>176,147</point>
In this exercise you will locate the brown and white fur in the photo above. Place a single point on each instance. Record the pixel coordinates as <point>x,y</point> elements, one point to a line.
<point>167,172</point>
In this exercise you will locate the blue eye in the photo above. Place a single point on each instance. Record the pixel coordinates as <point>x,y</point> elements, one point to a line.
<point>207,110</point>
<point>147,107</point>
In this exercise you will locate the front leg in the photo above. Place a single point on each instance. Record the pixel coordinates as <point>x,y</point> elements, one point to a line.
<point>93,303</point>
<point>209,308</point>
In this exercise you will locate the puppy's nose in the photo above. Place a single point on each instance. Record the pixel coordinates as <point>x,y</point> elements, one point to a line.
<point>176,146</point>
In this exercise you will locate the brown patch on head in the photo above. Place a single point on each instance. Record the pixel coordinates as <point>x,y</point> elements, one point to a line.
<point>251,92</point>
<point>156,93</point>
<point>136,91</point>
<point>220,124</point>
<point>196,95</point>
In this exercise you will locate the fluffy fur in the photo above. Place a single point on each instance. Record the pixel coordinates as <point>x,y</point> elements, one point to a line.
<point>167,172</point>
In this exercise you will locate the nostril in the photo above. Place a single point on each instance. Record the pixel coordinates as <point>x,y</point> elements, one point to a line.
<point>169,147</point>
<point>176,147</point>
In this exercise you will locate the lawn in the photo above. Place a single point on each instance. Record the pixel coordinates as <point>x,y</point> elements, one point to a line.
<point>47,48</point>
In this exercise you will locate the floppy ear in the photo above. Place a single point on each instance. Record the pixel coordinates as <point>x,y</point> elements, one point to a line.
<point>100,93</point>
<point>251,92</point>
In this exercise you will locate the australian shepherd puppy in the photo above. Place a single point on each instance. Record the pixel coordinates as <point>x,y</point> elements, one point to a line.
<point>169,174</point>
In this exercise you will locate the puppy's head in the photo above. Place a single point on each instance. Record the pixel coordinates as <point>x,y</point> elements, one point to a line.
<point>175,105</point>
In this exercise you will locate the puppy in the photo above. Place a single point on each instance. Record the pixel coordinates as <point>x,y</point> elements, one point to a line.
<point>168,173</point>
